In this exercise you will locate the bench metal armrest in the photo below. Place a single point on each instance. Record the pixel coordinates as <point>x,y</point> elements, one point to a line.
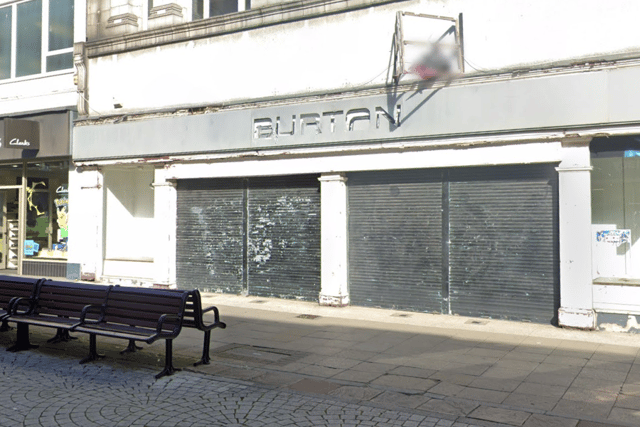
<point>89,309</point>
<point>168,318</point>
<point>216,322</point>
<point>16,302</point>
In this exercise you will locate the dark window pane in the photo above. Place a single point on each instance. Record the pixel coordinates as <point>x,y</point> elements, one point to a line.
<point>29,38</point>
<point>63,61</point>
<point>222,7</point>
<point>5,43</point>
<point>197,7</point>
<point>60,24</point>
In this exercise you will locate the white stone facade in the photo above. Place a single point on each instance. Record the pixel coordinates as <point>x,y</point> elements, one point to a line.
<point>161,65</point>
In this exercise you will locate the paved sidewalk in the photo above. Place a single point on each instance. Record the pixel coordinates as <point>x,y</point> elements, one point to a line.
<point>296,363</point>
<point>49,388</point>
<point>44,390</point>
<point>512,373</point>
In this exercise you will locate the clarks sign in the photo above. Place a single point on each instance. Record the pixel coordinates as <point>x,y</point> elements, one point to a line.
<point>21,134</point>
<point>326,123</point>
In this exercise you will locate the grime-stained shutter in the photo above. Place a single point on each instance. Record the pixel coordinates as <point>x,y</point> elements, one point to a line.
<point>254,235</point>
<point>395,239</point>
<point>283,253</point>
<point>504,250</point>
<point>209,235</point>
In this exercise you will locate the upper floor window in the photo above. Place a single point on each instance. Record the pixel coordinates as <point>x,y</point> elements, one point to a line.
<point>36,36</point>
<point>207,8</point>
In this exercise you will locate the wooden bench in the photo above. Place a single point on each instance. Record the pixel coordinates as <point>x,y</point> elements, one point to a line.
<point>136,314</point>
<point>194,318</point>
<point>55,304</point>
<point>12,288</point>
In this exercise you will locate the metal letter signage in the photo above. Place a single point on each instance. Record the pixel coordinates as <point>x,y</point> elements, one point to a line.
<point>326,122</point>
<point>21,134</point>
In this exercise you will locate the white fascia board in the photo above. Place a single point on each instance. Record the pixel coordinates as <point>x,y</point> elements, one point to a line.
<point>541,152</point>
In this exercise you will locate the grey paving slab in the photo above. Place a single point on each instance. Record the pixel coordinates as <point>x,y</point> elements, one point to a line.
<point>399,399</point>
<point>410,371</point>
<point>602,384</point>
<point>584,423</point>
<point>525,355</point>
<point>541,389</point>
<point>531,401</point>
<point>625,415</point>
<point>404,382</point>
<point>357,393</point>
<point>632,389</point>
<point>447,389</point>
<point>538,420</point>
<point>453,377</point>
<point>497,384</point>
<point>456,407</point>
<point>582,409</point>
<point>482,395</point>
<point>500,415</point>
<point>356,376</point>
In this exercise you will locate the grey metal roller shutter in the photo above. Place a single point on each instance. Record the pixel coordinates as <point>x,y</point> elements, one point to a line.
<point>504,251</point>
<point>209,237</point>
<point>395,239</point>
<point>258,235</point>
<point>284,237</point>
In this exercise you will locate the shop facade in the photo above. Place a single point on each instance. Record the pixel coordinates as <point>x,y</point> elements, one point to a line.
<point>368,200</point>
<point>34,195</point>
<point>232,154</point>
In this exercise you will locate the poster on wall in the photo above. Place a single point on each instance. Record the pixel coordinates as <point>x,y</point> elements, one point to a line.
<point>31,247</point>
<point>615,237</point>
<point>611,251</point>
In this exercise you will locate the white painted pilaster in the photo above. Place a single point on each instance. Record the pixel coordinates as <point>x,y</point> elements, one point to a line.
<point>334,289</point>
<point>574,188</point>
<point>165,217</point>
<point>86,221</point>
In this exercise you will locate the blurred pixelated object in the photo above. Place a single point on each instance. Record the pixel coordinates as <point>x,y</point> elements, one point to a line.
<point>427,46</point>
<point>433,63</point>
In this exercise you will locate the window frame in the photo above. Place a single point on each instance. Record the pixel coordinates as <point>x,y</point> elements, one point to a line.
<point>242,5</point>
<point>45,53</point>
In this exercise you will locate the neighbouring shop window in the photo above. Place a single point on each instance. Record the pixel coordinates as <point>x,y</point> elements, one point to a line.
<point>208,8</point>
<point>47,210</point>
<point>615,206</point>
<point>5,42</point>
<point>129,213</point>
<point>10,176</point>
<point>32,53</point>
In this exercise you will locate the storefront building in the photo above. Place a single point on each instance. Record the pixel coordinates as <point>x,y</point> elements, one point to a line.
<point>38,103</point>
<point>268,149</point>
<point>364,200</point>
<point>34,195</point>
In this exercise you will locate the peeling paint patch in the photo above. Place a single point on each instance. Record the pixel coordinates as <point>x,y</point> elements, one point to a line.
<point>618,323</point>
<point>261,251</point>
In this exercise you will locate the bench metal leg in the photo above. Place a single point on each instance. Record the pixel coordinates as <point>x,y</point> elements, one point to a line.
<point>62,335</point>
<point>131,348</point>
<point>168,361</point>
<point>5,326</point>
<point>22,339</point>
<point>205,350</point>
<point>93,352</point>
